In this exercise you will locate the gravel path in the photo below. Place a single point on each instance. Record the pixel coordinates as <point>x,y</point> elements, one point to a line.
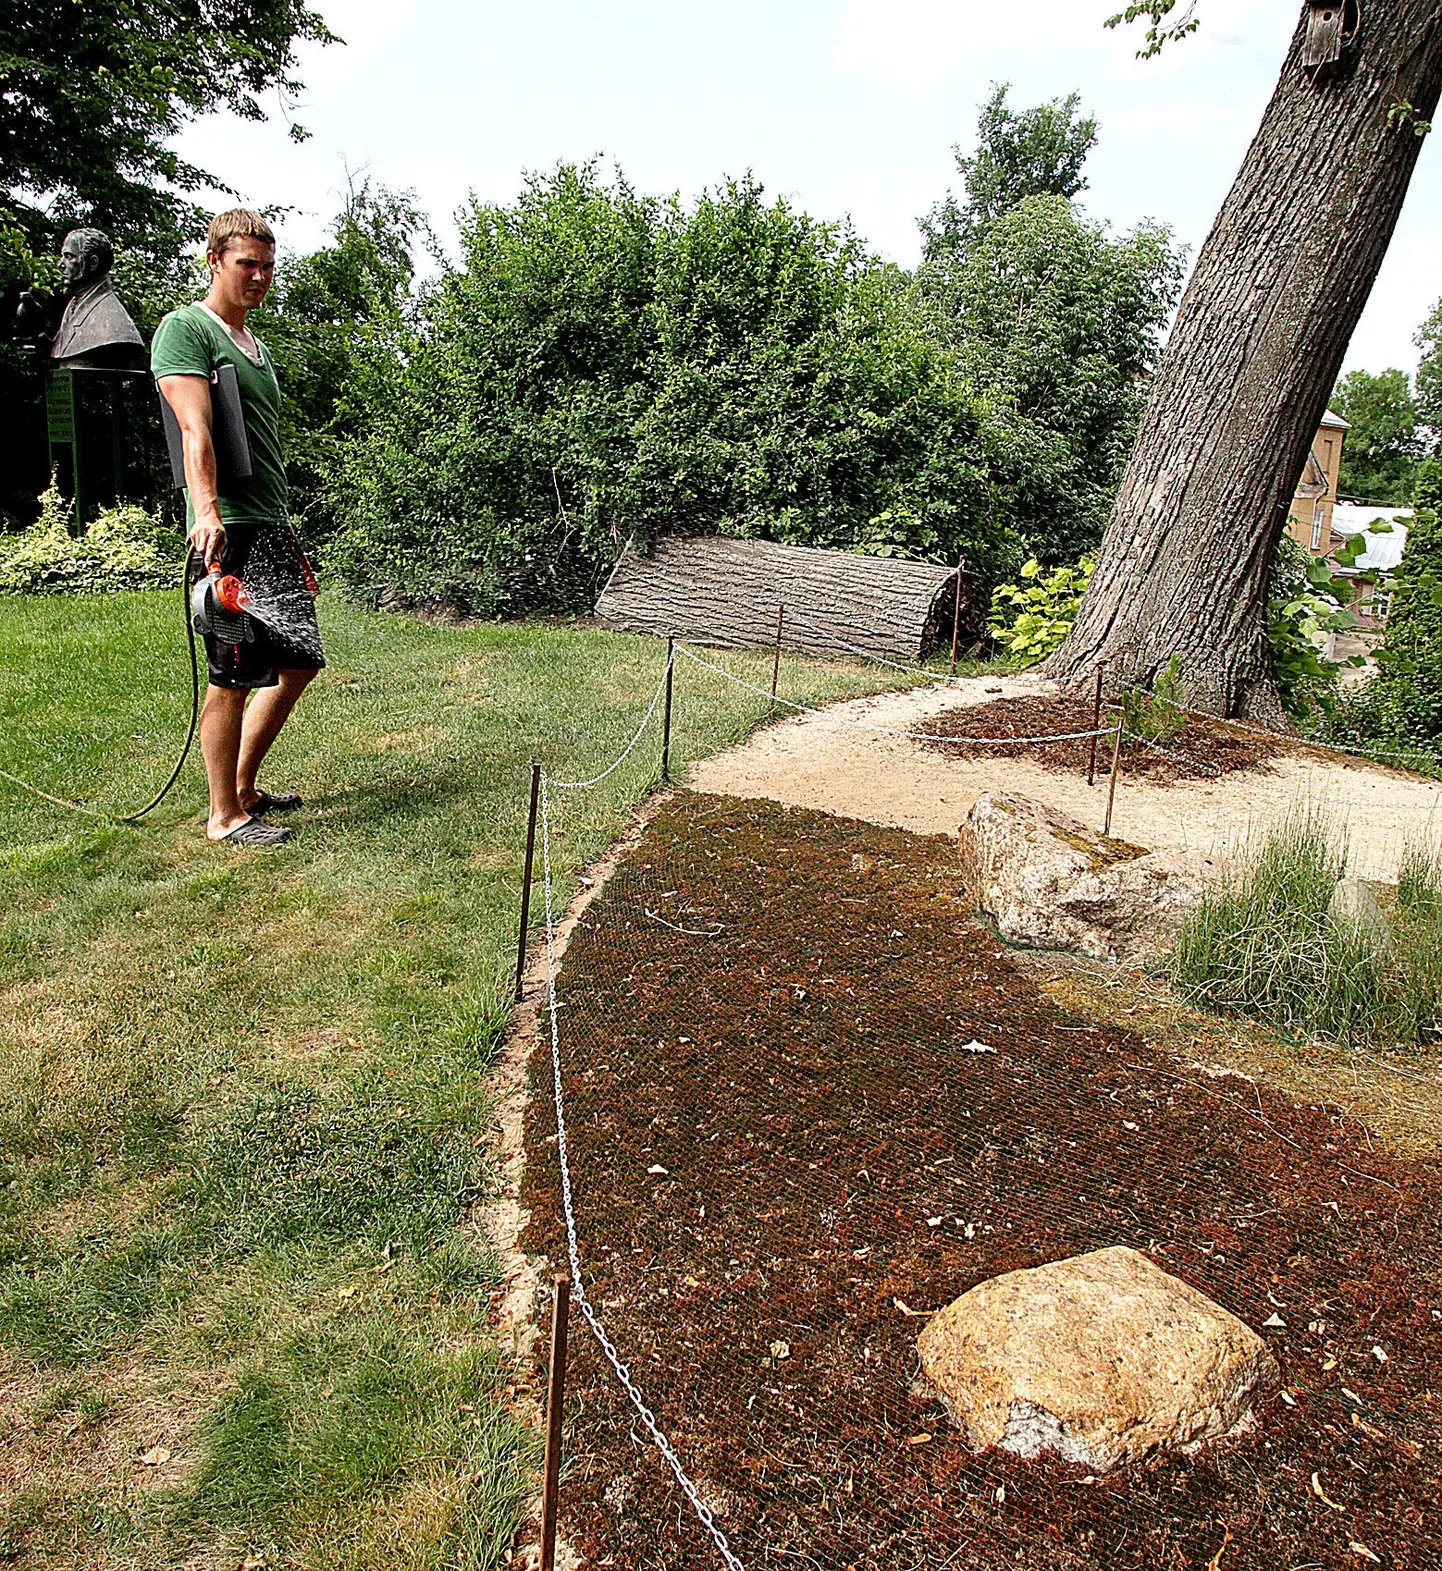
<point>828,761</point>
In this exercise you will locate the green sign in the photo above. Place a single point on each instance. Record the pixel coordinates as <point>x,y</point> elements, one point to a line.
<point>60,407</point>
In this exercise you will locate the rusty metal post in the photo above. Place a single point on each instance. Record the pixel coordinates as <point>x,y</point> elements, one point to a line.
<point>555,1412</point>
<point>956,615</point>
<point>1116,766</point>
<point>526,881</point>
<point>776,664</point>
<point>1096,723</point>
<point>666,722</point>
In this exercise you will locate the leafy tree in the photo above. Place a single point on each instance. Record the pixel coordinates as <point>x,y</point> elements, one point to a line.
<point>1039,152</point>
<point>1380,454</point>
<point>316,320</point>
<point>90,96</point>
<point>1429,380</point>
<point>1402,704</point>
<point>602,365</point>
<point>1057,325</point>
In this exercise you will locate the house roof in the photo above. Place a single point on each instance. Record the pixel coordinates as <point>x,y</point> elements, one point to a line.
<point>1333,419</point>
<point>1384,550</point>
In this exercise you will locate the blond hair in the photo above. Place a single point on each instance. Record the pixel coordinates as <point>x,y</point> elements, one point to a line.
<point>239,223</point>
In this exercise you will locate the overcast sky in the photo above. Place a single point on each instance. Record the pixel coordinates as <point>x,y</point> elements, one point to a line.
<point>850,107</point>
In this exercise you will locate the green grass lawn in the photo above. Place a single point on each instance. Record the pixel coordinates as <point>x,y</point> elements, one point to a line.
<point>243,1096</point>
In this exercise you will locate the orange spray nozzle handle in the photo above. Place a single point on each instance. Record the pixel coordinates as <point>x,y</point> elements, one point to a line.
<point>229,590</point>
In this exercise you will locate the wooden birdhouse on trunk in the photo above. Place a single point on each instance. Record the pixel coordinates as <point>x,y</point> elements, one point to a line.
<point>1327,23</point>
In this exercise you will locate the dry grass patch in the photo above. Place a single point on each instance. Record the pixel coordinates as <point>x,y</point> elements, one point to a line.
<point>1397,1095</point>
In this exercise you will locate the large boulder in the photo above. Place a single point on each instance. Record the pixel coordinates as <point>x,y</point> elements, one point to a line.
<point>1047,881</point>
<point>1100,1359</point>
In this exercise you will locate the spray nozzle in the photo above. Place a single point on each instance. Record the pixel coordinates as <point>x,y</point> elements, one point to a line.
<point>229,591</point>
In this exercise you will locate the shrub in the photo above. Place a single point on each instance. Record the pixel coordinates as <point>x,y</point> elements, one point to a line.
<point>125,548</point>
<point>1264,942</point>
<point>1401,706</point>
<point>1308,601</point>
<point>1031,619</point>
<point>604,365</point>
<point>1157,716</point>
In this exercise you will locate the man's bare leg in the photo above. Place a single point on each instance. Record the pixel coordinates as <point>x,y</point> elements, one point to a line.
<point>221,719</point>
<point>269,710</point>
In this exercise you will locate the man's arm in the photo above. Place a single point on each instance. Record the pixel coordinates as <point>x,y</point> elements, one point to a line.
<point>189,400</point>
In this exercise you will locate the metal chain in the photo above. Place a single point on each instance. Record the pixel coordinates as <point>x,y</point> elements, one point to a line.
<point>1282,736</point>
<point>582,785</point>
<point>573,1248</point>
<point>881,730</point>
<point>1180,758</point>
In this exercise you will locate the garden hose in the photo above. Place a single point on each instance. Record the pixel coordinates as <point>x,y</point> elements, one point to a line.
<point>160,795</point>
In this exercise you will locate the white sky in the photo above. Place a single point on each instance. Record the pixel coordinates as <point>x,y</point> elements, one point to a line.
<point>847,106</point>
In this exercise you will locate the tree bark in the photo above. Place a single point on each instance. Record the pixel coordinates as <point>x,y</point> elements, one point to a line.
<point>1244,381</point>
<point>725,592</point>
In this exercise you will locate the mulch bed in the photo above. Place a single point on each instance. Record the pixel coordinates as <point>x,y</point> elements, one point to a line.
<point>1215,749</point>
<point>777,1142</point>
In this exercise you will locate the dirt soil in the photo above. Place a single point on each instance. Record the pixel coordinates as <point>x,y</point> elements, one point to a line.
<point>1201,750</point>
<point>828,760</point>
<point>809,1101</point>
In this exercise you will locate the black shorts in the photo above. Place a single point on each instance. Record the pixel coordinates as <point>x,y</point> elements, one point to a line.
<point>284,634</point>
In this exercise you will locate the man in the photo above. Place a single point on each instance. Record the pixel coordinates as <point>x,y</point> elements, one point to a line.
<point>243,526</point>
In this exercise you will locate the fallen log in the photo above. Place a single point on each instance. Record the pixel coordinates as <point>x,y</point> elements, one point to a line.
<point>725,593</point>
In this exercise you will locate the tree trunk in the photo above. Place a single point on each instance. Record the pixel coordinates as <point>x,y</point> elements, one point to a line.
<point>1243,384</point>
<point>725,593</point>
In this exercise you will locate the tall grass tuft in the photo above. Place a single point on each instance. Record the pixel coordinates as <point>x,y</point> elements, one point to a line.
<point>1268,943</point>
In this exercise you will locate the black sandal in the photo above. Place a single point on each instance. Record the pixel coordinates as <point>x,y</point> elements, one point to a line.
<point>274,802</point>
<point>254,833</point>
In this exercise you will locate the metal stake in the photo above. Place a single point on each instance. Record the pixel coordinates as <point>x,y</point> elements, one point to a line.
<point>666,722</point>
<point>1116,765</point>
<point>526,881</point>
<point>956,615</point>
<point>1096,723</point>
<point>555,1411</point>
<point>776,664</point>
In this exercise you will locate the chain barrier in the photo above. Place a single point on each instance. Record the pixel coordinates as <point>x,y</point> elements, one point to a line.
<point>881,730</point>
<point>618,1365</point>
<point>1177,758</point>
<point>1282,736</point>
<point>573,1248</point>
<point>583,785</point>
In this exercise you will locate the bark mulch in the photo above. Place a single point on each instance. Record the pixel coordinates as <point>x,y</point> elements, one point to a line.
<point>783,1148</point>
<point>1211,747</point>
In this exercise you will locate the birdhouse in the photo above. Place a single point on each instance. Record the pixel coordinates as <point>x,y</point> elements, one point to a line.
<point>1325,23</point>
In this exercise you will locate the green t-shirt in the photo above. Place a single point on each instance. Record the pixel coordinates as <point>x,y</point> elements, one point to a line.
<point>191,342</point>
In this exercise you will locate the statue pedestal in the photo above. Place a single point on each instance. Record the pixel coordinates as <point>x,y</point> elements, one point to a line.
<point>87,423</point>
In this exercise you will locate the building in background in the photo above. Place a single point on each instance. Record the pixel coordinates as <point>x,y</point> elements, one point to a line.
<point>1310,523</point>
<point>1385,531</point>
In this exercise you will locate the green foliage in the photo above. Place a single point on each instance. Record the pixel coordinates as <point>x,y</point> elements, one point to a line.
<point>1161,32</point>
<point>1157,716</point>
<point>1307,602</point>
<point>1380,452</point>
<point>124,548</point>
<point>1032,618</point>
<point>603,365</point>
<point>1037,152</point>
<point>1057,325</point>
<point>1401,706</point>
<point>318,318</point>
<point>1428,380</point>
<point>1263,943</point>
<point>93,96</point>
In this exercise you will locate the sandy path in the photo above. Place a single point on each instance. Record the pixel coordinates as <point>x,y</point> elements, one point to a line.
<point>827,761</point>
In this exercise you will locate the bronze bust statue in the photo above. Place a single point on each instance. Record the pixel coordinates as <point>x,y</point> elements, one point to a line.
<point>96,329</point>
